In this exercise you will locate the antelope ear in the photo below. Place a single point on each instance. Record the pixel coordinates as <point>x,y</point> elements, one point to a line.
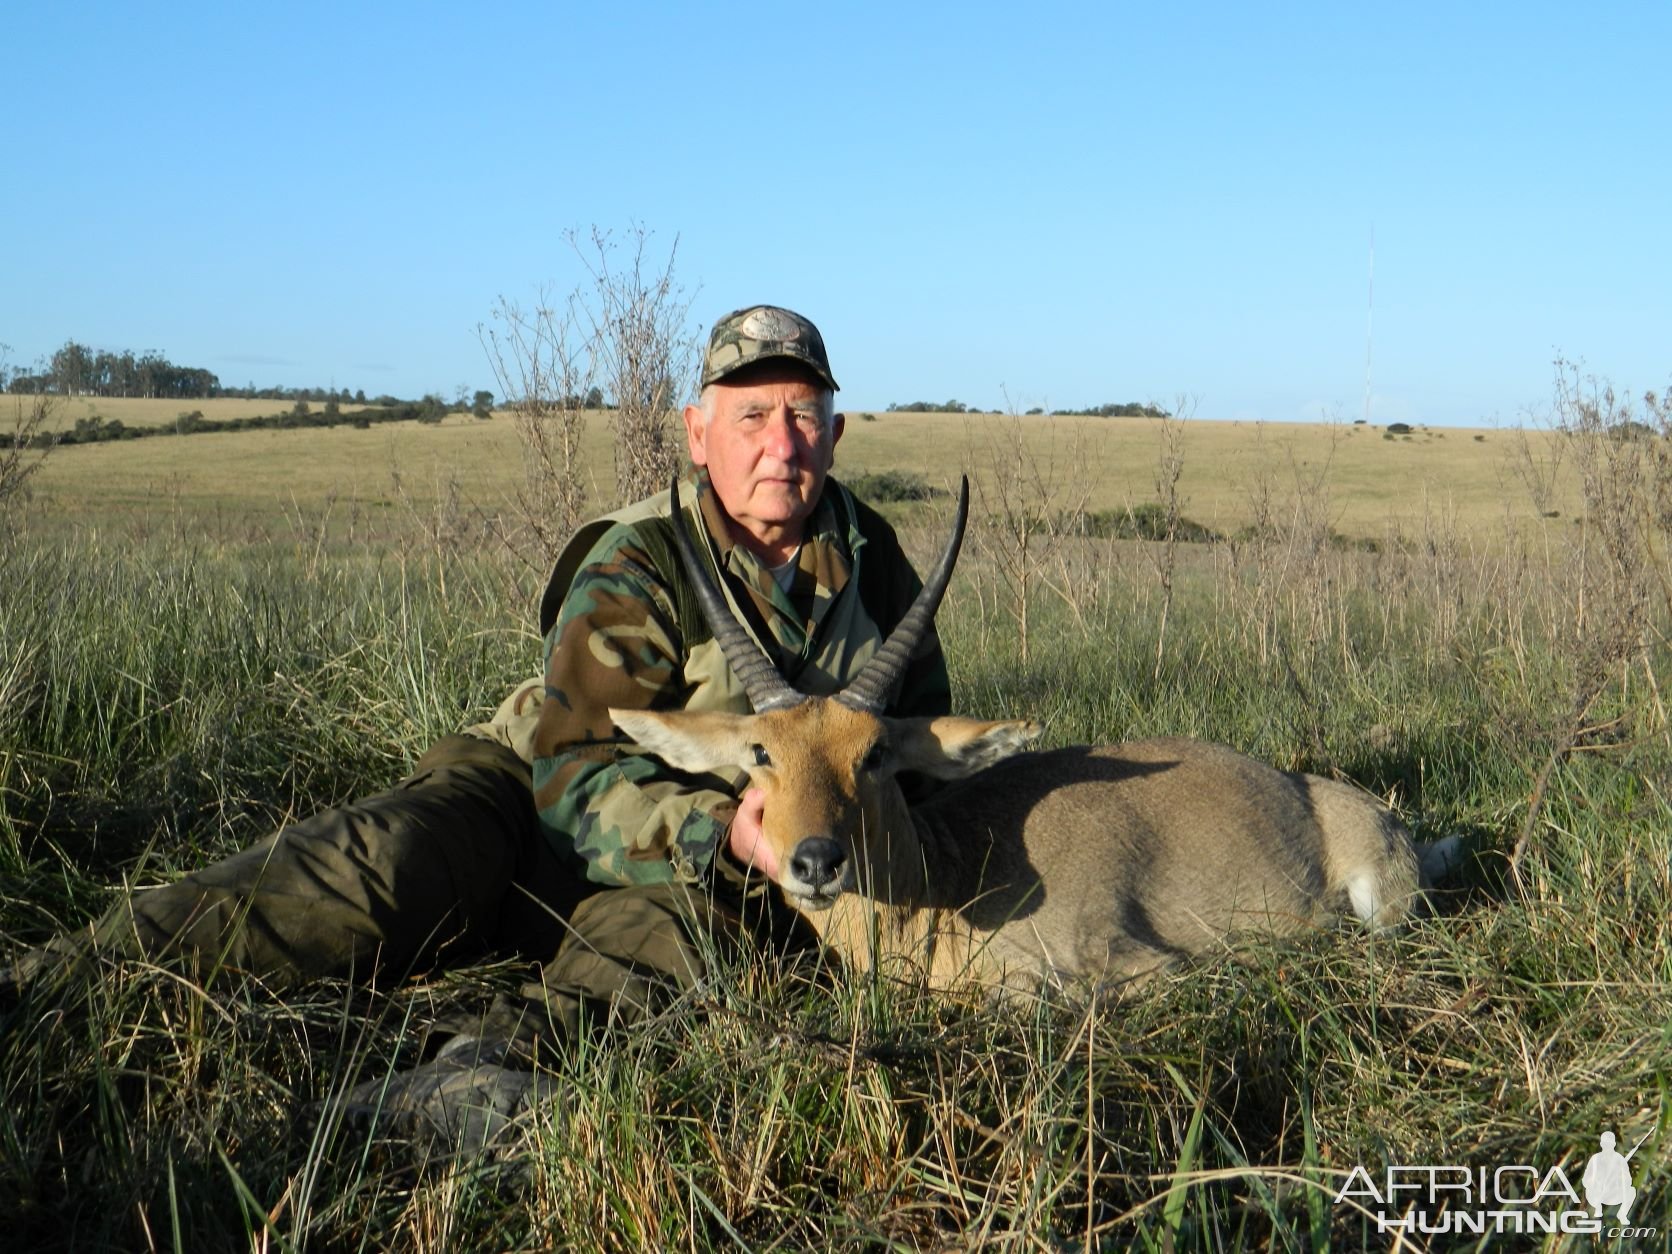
<point>696,743</point>
<point>951,748</point>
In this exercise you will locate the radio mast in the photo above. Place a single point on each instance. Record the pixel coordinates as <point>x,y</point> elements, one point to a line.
<point>1369,323</point>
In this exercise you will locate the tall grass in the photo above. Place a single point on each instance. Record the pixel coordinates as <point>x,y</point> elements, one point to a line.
<point>166,702</point>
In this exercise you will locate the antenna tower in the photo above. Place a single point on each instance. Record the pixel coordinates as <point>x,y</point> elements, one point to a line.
<point>1369,323</point>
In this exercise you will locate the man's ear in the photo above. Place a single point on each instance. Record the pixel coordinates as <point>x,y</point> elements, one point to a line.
<point>838,424</point>
<point>951,748</point>
<point>696,434</point>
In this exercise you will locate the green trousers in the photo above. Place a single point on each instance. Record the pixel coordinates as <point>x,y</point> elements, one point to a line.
<point>450,864</point>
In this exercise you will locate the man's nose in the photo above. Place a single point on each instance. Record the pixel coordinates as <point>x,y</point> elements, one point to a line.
<point>780,435</point>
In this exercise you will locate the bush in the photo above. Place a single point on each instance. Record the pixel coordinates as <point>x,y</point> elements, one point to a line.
<point>892,487</point>
<point>1145,522</point>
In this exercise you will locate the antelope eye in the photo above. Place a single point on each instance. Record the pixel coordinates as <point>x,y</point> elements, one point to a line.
<point>761,756</point>
<point>875,758</point>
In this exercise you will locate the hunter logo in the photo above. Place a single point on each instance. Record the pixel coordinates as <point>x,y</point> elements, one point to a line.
<point>1509,1198</point>
<point>1607,1177</point>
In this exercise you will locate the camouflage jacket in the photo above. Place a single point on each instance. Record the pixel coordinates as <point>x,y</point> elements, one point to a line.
<point>623,629</point>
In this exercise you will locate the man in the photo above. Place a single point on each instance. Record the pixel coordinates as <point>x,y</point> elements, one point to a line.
<point>455,859</point>
<point>818,579</point>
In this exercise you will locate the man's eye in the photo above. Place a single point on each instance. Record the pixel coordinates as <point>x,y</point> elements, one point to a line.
<point>807,422</point>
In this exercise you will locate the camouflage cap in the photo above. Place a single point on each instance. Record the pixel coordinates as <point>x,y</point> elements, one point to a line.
<point>759,332</point>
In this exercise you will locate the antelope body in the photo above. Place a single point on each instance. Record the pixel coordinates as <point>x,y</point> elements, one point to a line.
<point>1083,863</point>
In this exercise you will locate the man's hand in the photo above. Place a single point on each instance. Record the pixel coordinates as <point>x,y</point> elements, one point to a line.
<point>746,841</point>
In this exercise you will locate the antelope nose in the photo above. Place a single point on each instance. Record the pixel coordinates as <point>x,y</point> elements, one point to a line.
<point>817,861</point>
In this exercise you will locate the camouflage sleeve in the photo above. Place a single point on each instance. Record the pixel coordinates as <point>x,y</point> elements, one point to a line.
<point>630,818</point>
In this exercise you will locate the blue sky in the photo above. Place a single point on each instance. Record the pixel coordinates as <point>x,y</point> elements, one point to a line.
<point>1070,203</point>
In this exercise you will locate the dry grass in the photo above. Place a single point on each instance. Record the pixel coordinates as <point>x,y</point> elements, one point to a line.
<point>141,411</point>
<point>173,692</point>
<point>1376,484</point>
<point>171,700</point>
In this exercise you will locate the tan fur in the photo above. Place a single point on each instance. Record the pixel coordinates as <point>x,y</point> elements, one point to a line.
<point>1083,863</point>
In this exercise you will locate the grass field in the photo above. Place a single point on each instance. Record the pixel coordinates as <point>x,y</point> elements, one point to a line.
<point>1461,479</point>
<point>179,675</point>
<point>141,411</point>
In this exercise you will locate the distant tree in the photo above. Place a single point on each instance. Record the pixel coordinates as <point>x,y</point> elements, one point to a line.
<point>72,369</point>
<point>431,409</point>
<point>359,396</point>
<point>332,409</point>
<point>1124,409</point>
<point>930,407</point>
<point>482,404</point>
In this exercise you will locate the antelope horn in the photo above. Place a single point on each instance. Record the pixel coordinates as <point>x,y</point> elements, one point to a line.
<point>873,688</point>
<point>767,689</point>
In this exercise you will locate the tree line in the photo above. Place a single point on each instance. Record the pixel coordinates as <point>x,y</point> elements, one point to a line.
<point>77,370</point>
<point>1124,409</point>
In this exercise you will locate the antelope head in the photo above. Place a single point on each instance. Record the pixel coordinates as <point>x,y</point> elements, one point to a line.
<point>834,817</point>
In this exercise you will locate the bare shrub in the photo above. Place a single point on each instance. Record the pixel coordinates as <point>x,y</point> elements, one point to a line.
<point>1618,452</point>
<point>620,340</point>
<point>545,364</point>
<point>645,351</point>
<point>1163,554</point>
<point>1538,469</point>
<point>25,439</point>
<point>1285,558</point>
<point>1286,580</point>
<point>1029,502</point>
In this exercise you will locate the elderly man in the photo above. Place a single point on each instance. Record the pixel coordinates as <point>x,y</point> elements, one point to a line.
<point>455,859</point>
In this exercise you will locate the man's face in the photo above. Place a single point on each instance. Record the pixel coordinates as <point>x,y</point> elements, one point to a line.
<point>767,448</point>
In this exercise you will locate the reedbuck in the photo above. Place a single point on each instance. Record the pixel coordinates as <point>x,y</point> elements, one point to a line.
<point>1102,863</point>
